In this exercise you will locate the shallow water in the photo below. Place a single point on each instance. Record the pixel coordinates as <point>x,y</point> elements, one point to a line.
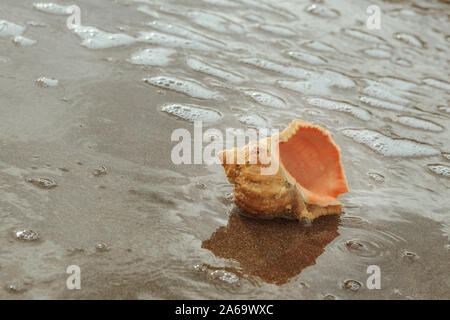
<point>86,176</point>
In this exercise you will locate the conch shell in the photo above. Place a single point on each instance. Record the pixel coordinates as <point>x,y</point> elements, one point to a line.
<point>305,184</point>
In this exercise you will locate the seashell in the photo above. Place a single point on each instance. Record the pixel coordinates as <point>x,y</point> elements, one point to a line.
<point>307,179</point>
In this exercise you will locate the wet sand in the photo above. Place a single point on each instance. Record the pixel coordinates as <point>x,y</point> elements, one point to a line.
<point>143,227</point>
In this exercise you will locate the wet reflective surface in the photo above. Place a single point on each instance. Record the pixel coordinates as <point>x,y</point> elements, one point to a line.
<point>86,175</point>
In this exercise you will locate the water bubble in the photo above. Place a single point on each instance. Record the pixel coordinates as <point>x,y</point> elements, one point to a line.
<point>43,183</point>
<point>409,256</point>
<point>8,29</point>
<point>189,87</point>
<point>409,39</point>
<point>216,71</point>
<point>152,57</point>
<point>439,169</point>
<point>100,171</point>
<point>307,58</point>
<point>376,176</point>
<point>45,82</point>
<point>27,235</point>
<point>319,46</point>
<point>361,35</point>
<point>23,41</point>
<point>352,285</point>
<point>101,246</point>
<point>377,53</point>
<point>193,113</point>
<point>341,107</point>
<point>390,147</point>
<point>266,99</point>
<point>53,8</point>
<point>436,83</point>
<point>418,123</point>
<point>279,30</point>
<point>322,11</point>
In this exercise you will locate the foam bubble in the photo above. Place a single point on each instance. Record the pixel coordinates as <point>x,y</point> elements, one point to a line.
<point>152,57</point>
<point>171,41</point>
<point>216,71</point>
<point>148,11</point>
<point>295,72</point>
<point>46,82</point>
<point>382,104</point>
<point>377,53</point>
<point>384,92</point>
<point>223,3</point>
<point>254,120</point>
<point>390,147</point>
<point>322,11</point>
<point>437,83</point>
<point>341,107</point>
<point>319,46</point>
<point>215,22</point>
<point>192,113</point>
<point>403,62</point>
<point>266,99</point>
<point>188,87</point>
<point>52,8</point>
<point>9,29</point>
<point>23,41</point>
<point>188,33</point>
<point>361,35</point>
<point>94,38</point>
<point>279,30</point>
<point>418,123</point>
<point>440,169</point>
<point>409,39</point>
<point>306,57</point>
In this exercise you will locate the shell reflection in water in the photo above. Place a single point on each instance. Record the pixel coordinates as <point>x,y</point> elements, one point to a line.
<point>274,250</point>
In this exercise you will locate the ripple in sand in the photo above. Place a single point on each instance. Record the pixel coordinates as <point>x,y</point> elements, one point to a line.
<point>153,57</point>
<point>188,87</point>
<point>322,11</point>
<point>9,29</point>
<point>418,123</point>
<point>361,35</point>
<point>274,250</point>
<point>192,113</point>
<point>390,147</point>
<point>341,107</point>
<point>409,39</point>
<point>266,99</point>
<point>215,71</point>
<point>439,169</point>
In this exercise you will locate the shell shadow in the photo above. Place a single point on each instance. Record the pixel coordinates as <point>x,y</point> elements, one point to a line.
<point>274,250</point>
